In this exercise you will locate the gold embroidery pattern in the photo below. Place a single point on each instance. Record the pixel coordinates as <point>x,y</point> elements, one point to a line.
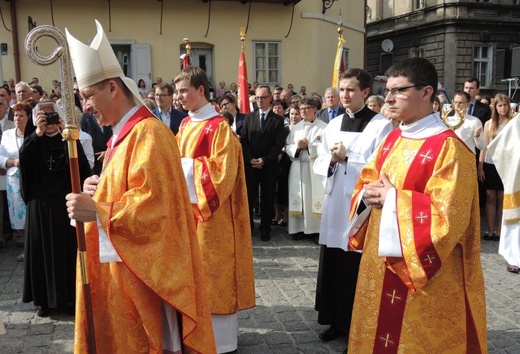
<point>435,313</point>
<point>224,234</point>
<point>152,230</point>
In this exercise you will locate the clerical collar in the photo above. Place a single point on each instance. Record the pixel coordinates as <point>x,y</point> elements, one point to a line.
<point>353,114</point>
<point>50,135</point>
<point>423,128</point>
<point>116,129</point>
<point>204,113</point>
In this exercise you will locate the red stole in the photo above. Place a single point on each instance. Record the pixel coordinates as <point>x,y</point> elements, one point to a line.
<point>203,149</point>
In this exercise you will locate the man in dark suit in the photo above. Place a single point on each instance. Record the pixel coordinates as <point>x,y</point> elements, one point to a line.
<point>476,109</point>
<point>333,108</point>
<point>165,111</point>
<point>100,136</point>
<point>482,112</point>
<point>262,137</point>
<point>228,103</point>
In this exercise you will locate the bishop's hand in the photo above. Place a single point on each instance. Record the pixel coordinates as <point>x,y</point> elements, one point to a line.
<point>81,207</point>
<point>90,185</point>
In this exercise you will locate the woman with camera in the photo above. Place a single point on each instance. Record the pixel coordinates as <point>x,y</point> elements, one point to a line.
<point>51,247</point>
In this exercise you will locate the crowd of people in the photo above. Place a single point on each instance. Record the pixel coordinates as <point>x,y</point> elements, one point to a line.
<point>174,176</point>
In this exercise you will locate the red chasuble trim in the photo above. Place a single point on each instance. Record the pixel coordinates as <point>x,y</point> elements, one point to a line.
<point>472,339</point>
<point>395,292</point>
<point>387,146</point>
<point>203,149</point>
<point>138,116</point>
<point>422,167</point>
<point>391,311</point>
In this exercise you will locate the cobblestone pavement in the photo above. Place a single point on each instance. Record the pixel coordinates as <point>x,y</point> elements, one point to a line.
<point>284,320</point>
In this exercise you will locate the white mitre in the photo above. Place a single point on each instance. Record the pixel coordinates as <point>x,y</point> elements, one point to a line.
<point>97,62</point>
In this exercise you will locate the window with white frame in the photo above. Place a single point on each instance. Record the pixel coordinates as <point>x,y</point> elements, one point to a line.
<point>267,62</point>
<point>483,64</point>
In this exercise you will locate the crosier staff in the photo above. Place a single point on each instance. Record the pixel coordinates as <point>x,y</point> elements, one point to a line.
<point>71,135</point>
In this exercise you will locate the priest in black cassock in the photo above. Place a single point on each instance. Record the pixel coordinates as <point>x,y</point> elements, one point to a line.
<point>348,143</point>
<point>51,246</point>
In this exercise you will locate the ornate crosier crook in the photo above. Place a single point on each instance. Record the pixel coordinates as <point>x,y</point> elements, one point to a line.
<point>455,121</point>
<point>71,135</point>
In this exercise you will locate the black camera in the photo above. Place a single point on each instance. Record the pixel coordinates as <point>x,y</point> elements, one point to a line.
<point>52,118</point>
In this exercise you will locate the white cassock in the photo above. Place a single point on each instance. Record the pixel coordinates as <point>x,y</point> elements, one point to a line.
<point>339,186</point>
<point>504,149</point>
<point>305,188</point>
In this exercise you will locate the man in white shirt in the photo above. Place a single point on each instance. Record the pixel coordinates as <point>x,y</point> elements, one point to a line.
<point>470,132</point>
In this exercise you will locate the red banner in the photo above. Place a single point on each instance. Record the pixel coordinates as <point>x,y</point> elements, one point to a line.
<point>185,60</point>
<point>243,91</point>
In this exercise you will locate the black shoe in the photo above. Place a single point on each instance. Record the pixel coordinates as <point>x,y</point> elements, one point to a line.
<point>513,269</point>
<point>487,237</point>
<point>43,311</point>
<point>495,237</point>
<point>266,236</point>
<point>329,334</point>
<point>298,236</point>
<point>317,239</point>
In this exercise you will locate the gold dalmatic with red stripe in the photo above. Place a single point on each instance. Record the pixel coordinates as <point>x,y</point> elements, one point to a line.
<point>221,212</point>
<point>430,300</point>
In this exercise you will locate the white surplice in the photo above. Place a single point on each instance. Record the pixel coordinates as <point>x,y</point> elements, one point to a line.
<point>505,153</point>
<point>339,186</point>
<point>306,192</point>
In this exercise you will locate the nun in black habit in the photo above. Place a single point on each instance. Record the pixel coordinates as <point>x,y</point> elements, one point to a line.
<point>51,246</point>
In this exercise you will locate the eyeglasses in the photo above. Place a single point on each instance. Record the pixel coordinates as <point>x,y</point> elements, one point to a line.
<point>224,104</point>
<point>306,108</point>
<point>261,97</point>
<point>162,95</point>
<point>400,90</point>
